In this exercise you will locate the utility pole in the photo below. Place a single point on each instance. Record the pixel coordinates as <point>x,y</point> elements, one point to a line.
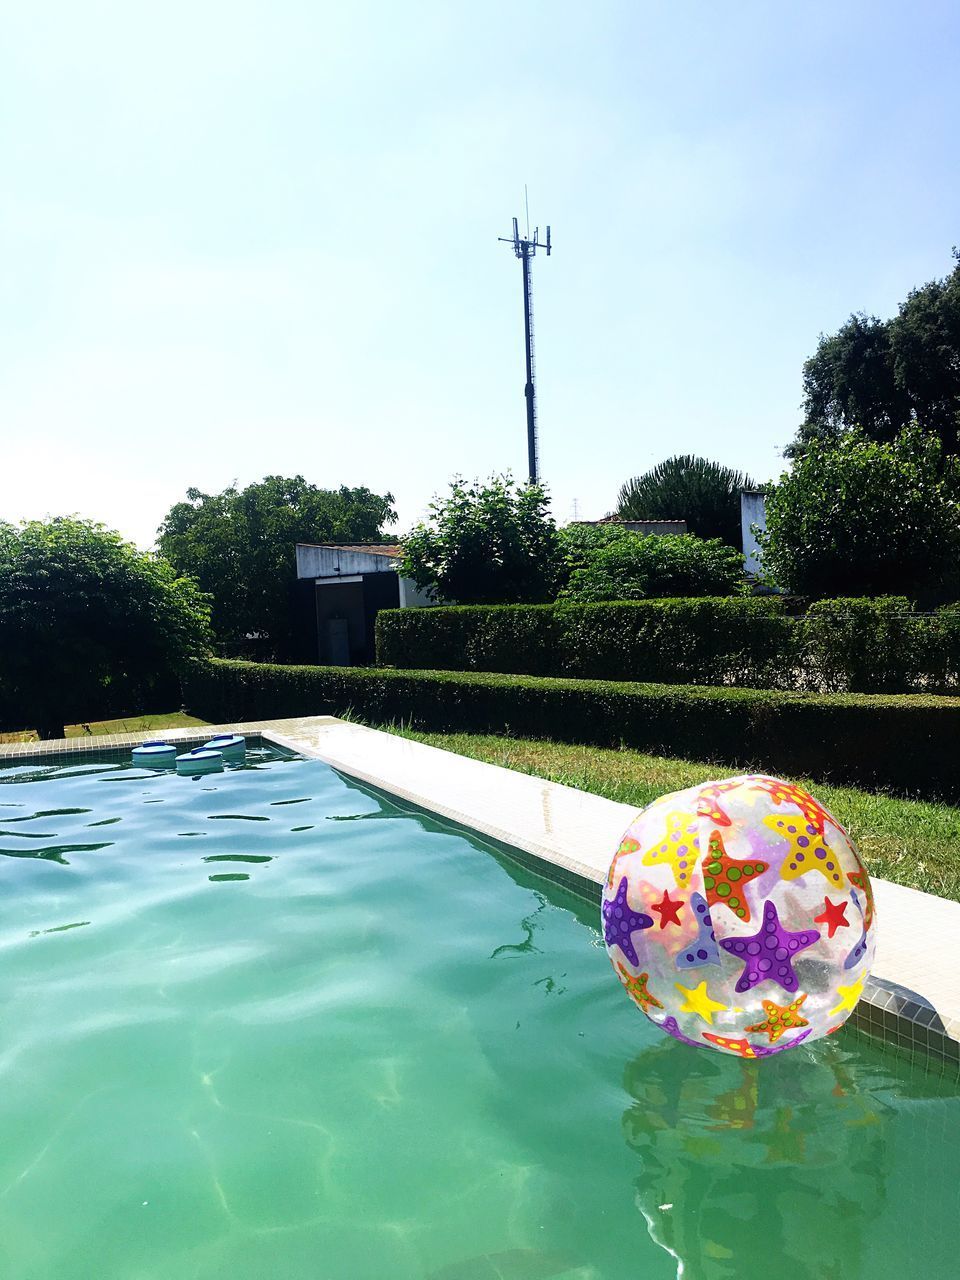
<point>525,248</point>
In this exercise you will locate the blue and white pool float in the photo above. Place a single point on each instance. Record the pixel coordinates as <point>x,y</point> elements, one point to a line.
<point>200,760</point>
<point>233,746</point>
<point>155,755</point>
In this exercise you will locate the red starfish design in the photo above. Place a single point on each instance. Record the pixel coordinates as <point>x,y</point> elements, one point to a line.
<point>667,909</point>
<point>743,1047</point>
<point>833,915</point>
<point>707,806</point>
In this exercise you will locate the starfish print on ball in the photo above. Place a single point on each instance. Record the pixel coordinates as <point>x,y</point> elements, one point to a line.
<point>705,949</point>
<point>637,988</point>
<point>858,952</point>
<point>724,878</point>
<point>833,915</point>
<point>680,848</point>
<point>620,921</point>
<point>667,910</point>
<point>768,954</point>
<point>672,1028</point>
<point>743,1047</point>
<point>697,1001</point>
<point>627,845</point>
<point>861,881</point>
<point>808,850</point>
<point>780,1018</point>
<point>786,793</point>
<point>707,802</point>
<point>848,996</point>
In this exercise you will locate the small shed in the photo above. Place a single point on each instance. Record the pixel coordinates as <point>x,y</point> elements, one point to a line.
<point>342,589</point>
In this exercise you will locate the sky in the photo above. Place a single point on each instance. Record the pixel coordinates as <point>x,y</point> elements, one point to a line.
<point>260,237</point>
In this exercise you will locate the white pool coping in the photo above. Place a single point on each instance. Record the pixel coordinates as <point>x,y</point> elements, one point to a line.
<point>912,998</point>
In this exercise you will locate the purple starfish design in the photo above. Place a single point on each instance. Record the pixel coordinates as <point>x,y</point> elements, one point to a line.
<point>672,1028</point>
<point>768,954</point>
<point>704,950</point>
<point>767,1051</point>
<point>620,921</point>
<point>856,955</point>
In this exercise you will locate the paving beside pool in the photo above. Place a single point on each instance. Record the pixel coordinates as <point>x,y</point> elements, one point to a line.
<point>912,998</point>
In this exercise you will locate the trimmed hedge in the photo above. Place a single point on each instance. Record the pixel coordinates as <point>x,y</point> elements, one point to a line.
<point>907,743</point>
<point>710,640</point>
<point>849,646</point>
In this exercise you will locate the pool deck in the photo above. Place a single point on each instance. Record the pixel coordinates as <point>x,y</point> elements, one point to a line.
<point>911,999</point>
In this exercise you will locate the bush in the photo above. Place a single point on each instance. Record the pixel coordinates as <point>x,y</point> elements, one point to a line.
<point>485,542</point>
<point>907,743</point>
<point>605,562</point>
<point>858,517</point>
<point>708,641</point>
<point>846,645</point>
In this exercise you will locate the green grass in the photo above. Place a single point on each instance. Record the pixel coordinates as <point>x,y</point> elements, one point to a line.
<point>912,842</point>
<point>129,724</point>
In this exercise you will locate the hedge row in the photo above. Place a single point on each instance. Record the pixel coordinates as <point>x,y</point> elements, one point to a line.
<point>857,646</point>
<point>907,743</point>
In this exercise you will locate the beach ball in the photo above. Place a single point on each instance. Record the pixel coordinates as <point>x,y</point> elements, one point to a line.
<point>739,917</point>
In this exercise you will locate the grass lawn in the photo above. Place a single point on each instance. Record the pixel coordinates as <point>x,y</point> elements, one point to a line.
<point>131,724</point>
<point>913,842</point>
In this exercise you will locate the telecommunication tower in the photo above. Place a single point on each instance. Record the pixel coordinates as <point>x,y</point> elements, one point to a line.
<point>525,249</point>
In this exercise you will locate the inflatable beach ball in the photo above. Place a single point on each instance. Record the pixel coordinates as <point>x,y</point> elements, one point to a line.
<point>739,917</point>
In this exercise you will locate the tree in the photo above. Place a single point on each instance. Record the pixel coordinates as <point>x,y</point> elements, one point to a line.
<point>860,517</point>
<point>879,375</point>
<point>704,493</point>
<point>240,545</point>
<point>486,543</point>
<point>605,562</point>
<point>89,624</point>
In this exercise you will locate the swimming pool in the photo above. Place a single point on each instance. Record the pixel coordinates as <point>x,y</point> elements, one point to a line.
<point>268,1023</point>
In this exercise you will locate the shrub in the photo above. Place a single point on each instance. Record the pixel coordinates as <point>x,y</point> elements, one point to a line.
<point>712,641</point>
<point>608,563</point>
<point>484,543</point>
<point>909,743</point>
<point>862,518</point>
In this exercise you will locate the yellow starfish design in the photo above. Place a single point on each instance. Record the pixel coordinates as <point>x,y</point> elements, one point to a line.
<point>808,851</point>
<point>679,847</point>
<point>848,996</point>
<point>697,1001</point>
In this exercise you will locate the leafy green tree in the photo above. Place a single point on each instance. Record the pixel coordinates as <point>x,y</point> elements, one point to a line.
<point>89,624</point>
<point>240,545</point>
<point>879,375</point>
<point>486,543</point>
<point>860,517</point>
<point>704,493</point>
<point>608,563</point>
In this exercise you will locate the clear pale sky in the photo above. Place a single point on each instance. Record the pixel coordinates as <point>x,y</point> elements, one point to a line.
<point>248,238</point>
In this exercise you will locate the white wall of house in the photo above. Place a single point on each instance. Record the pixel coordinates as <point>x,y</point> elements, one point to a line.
<point>411,597</point>
<point>753,512</point>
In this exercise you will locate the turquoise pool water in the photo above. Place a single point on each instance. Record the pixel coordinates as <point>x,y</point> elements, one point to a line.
<point>268,1024</point>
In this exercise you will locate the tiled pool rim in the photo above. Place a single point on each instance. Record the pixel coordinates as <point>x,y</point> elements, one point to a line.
<point>568,836</point>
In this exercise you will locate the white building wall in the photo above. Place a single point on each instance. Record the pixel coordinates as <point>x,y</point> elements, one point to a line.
<point>753,512</point>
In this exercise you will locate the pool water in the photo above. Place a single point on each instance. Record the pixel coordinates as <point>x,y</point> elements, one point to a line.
<point>267,1023</point>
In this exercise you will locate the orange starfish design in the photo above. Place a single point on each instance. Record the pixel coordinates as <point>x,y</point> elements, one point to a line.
<point>707,806</point>
<point>627,845</point>
<point>637,988</point>
<point>861,881</point>
<point>787,793</point>
<point>724,877</point>
<point>742,1047</point>
<point>779,1018</point>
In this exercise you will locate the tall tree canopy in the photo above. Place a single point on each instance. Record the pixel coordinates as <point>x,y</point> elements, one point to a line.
<point>704,493</point>
<point>862,517</point>
<point>240,546</point>
<point>89,625</point>
<point>879,375</point>
<point>486,543</point>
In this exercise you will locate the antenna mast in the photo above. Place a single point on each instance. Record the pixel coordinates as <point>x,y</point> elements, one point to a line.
<point>525,250</point>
